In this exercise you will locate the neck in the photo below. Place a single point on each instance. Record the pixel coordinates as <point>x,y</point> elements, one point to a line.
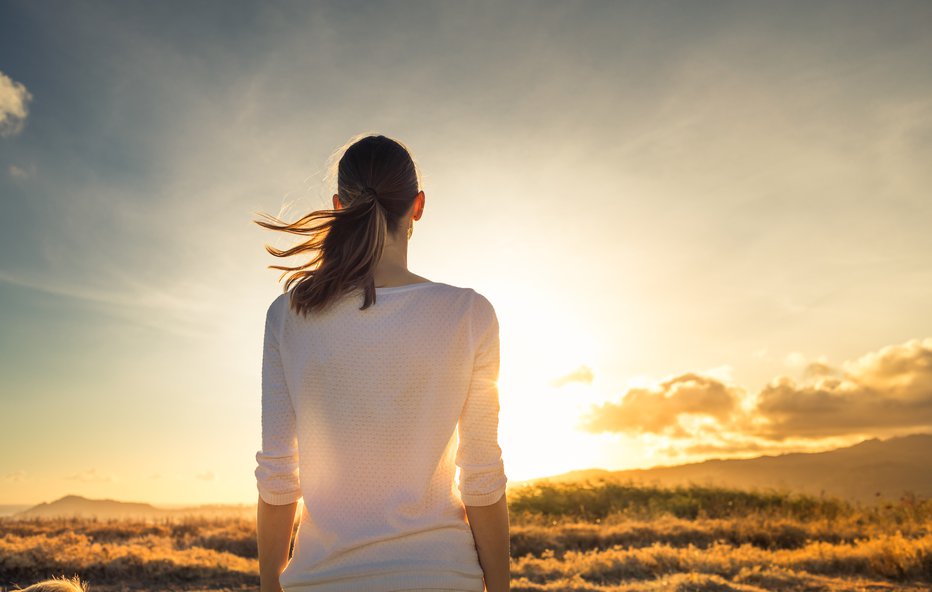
<point>393,265</point>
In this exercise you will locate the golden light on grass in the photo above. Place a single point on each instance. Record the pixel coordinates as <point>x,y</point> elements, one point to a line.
<point>563,537</point>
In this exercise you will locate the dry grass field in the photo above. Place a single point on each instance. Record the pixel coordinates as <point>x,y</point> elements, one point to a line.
<point>590,537</point>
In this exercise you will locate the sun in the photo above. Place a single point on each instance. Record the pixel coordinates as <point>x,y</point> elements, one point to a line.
<point>541,341</point>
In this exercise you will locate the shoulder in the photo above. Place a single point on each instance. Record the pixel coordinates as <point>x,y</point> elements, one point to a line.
<point>477,302</point>
<point>479,308</point>
<point>275,311</point>
<point>481,303</point>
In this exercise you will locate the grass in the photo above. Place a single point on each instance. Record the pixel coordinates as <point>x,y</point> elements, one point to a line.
<point>592,536</point>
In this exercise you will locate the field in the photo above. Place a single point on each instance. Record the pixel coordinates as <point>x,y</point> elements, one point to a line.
<point>590,537</point>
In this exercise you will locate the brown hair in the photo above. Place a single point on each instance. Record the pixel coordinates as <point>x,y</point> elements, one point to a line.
<point>56,585</point>
<point>377,182</point>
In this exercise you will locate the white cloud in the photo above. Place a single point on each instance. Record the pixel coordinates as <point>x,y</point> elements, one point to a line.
<point>581,374</point>
<point>724,373</point>
<point>795,359</point>
<point>14,99</point>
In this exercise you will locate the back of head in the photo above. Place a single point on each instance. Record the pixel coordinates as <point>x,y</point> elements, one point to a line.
<point>377,182</point>
<point>57,585</point>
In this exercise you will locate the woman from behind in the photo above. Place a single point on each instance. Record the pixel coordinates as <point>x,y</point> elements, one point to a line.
<point>377,383</point>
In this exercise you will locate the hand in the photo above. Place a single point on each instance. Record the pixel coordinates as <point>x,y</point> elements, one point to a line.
<point>269,585</point>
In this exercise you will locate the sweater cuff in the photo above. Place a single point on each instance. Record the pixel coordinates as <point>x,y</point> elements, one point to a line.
<point>279,499</point>
<point>483,499</point>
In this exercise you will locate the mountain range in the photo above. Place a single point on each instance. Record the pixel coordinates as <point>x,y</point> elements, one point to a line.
<point>871,471</point>
<point>106,509</point>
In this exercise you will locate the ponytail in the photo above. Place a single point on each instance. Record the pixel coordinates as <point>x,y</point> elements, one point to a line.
<point>347,243</point>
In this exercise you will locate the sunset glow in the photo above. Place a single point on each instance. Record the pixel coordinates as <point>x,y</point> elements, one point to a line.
<point>704,227</point>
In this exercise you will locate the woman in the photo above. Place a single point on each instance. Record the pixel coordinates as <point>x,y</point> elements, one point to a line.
<point>376,384</point>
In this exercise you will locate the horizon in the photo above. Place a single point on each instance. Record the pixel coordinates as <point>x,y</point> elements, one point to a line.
<point>704,228</point>
<point>511,484</point>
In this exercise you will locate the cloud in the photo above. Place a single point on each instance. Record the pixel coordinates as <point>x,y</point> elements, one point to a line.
<point>582,374</point>
<point>887,389</point>
<point>818,369</point>
<point>725,447</point>
<point>884,391</point>
<point>724,373</point>
<point>173,476</point>
<point>795,359</point>
<point>91,475</point>
<point>15,477</point>
<point>18,172</point>
<point>205,476</point>
<point>14,99</point>
<point>658,410</point>
<point>182,309</point>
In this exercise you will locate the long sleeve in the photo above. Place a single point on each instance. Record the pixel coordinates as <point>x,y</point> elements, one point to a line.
<point>479,456</point>
<point>277,461</point>
<point>384,422</point>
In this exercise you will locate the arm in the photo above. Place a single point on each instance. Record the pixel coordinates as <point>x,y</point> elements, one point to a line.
<point>489,526</point>
<point>274,525</point>
<point>277,475</point>
<point>482,472</point>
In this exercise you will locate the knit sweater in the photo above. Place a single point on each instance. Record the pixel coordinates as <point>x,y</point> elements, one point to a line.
<point>366,414</point>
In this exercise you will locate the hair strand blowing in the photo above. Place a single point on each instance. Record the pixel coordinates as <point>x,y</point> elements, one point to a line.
<point>377,181</point>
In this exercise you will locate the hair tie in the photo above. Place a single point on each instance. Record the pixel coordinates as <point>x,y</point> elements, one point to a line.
<point>370,193</point>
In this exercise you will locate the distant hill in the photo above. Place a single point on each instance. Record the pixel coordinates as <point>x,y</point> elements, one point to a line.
<point>105,509</point>
<point>870,471</point>
<point>8,509</point>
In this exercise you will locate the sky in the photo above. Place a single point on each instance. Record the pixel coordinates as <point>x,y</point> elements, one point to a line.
<point>704,226</point>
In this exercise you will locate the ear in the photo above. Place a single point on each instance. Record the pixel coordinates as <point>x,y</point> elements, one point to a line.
<point>419,205</point>
<point>336,202</point>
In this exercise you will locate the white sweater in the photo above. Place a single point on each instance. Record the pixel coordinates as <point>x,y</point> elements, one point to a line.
<point>366,414</point>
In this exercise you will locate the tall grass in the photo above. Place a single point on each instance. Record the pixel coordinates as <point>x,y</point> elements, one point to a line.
<point>593,536</point>
<point>596,500</point>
